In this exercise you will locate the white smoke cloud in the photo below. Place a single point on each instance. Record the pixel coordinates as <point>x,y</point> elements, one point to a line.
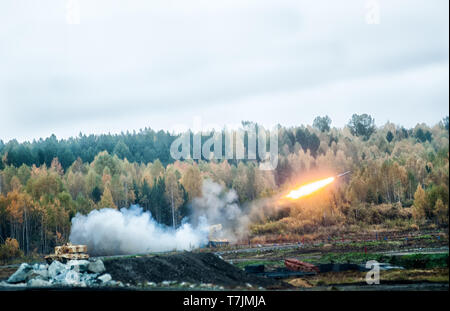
<point>220,206</point>
<point>132,231</point>
<point>216,204</point>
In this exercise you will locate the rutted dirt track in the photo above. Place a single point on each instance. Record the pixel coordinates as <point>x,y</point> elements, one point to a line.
<point>185,267</point>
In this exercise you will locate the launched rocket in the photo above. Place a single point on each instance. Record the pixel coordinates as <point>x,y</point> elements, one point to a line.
<point>343,174</point>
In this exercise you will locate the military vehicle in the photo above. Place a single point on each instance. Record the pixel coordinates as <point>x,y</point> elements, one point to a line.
<point>68,252</point>
<point>214,240</point>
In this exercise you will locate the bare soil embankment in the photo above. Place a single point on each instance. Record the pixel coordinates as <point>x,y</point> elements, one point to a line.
<point>185,267</point>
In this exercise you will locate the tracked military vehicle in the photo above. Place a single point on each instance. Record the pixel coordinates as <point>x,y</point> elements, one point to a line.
<point>68,252</point>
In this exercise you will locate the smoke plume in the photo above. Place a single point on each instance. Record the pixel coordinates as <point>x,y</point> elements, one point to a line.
<point>220,206</point>
<point>132,231</point>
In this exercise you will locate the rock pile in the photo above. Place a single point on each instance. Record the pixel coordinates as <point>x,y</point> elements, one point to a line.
<point>75,273</point>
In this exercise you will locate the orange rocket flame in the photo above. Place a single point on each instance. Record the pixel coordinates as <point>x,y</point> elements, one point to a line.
<point>309,188</point>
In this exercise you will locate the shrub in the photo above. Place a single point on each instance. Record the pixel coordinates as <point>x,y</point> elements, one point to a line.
<point>269,227</point>
<point>421,261</point>
<point>10,250</point>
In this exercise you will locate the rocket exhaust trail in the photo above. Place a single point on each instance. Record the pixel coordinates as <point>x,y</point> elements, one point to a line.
<point>312,187</point>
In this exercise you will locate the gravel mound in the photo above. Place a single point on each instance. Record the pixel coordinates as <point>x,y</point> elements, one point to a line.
<point>185,267</point>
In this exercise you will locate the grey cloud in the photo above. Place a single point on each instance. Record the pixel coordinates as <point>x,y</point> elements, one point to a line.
<point>175,58</point>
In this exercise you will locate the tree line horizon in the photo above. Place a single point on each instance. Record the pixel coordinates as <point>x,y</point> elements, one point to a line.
<point>147,145</point>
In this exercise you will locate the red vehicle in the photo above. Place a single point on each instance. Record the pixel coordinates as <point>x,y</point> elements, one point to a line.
<point>297,265</point>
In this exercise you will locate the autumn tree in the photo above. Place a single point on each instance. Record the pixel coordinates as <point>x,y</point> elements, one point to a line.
<point>362,125</point>
<point>174,193</point>
<point>445,123</point>
<point>192,181</point>
<point>322,123</point>
<point>156,169</point>
<point>106,200</point>
<point>389,136</point>
<point>159,205</point>
<point>57,167</point>
<point>9,250</point>
<point>441,212</point>
<point>103,160</point>
<point>421,208</point>
<point>122,150</point>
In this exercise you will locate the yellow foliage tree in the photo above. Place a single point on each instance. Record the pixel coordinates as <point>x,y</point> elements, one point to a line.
<point>192,181</point>
<point>420,204</point>
<point>10,250</point>
<point>441,212</point>
<point>107,200</point>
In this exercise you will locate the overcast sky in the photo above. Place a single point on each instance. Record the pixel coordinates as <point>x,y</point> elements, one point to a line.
<point>134,64</point>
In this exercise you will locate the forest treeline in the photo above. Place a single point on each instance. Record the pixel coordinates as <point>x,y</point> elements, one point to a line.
<point>398,175</point>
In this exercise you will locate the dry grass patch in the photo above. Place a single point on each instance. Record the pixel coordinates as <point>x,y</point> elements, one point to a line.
<point>437,275</point>
<point>298,282</point>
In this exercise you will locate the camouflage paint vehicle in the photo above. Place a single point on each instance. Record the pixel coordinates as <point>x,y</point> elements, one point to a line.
<point>68,252</point>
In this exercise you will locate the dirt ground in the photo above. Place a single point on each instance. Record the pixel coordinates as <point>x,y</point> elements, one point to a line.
<point>353,248</point>
<point>394,242</point>
<point>400,277</point>
<point>6,272</point>
<point>185,267</point>
<point>384,287</point>
<point>202,266</point>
